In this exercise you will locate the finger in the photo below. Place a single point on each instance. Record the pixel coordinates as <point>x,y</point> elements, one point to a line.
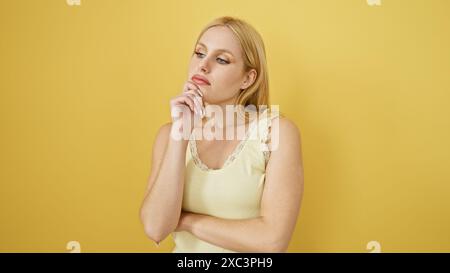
<point>202,107</point>
<point>199,99</point>
<point>200,103</point>
<point>187,101</point>
<point>194,86</point>
<point>199,92</point>
<point>193,92</point>
<point>195,99</point>
<point>189,86</point>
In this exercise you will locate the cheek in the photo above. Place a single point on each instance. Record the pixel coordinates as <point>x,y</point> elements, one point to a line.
<point>228,77</point>
<point>192,64</point>
<point>231,86</point>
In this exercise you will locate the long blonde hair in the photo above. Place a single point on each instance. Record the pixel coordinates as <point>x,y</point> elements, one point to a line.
<point>254,54</point>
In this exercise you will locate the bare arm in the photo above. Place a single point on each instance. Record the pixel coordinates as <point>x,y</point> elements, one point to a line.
<point>161,208</point>
<point>280,205</point>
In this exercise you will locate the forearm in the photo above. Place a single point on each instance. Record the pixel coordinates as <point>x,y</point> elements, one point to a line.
<point>162,205</point>
<point>246,235</point>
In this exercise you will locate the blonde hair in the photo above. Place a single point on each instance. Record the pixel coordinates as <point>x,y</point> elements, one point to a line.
<point>254,55</point>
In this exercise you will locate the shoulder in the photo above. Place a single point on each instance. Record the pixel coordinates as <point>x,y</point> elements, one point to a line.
<point>165,128</point>
<point>284,136</point>
<point>163,134</point>
<point>287,129</point>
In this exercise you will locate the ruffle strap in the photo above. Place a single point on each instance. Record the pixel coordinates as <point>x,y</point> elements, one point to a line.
<point>264,130</point>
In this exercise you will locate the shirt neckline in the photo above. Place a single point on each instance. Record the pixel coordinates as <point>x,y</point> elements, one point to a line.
<point>231,158</point>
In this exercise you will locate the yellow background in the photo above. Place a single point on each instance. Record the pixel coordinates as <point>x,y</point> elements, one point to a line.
<point>85,88</point>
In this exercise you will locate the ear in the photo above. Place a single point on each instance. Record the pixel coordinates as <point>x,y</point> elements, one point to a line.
<point>249,79</point>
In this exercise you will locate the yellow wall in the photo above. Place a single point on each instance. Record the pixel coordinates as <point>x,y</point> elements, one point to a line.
<point>85,88</point>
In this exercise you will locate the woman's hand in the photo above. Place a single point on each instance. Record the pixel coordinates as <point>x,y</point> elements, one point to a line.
<point>186,110</point>
<point>191,98</point>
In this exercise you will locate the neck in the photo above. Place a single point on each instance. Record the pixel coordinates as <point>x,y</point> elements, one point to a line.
<point>222,119</point>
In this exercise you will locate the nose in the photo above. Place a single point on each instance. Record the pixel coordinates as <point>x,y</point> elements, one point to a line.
<point>204,65</point>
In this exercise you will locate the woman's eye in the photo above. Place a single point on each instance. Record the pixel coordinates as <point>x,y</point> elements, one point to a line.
<point>197,53</point>
<point>221,61</point>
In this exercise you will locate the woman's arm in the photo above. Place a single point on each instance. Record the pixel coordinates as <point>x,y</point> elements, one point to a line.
<point>161,208</point>
<point>280,203</point>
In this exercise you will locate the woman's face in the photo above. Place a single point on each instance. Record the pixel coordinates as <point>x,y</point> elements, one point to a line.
<point>218,58</point>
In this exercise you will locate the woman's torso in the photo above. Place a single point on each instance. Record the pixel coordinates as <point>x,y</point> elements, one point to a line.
<point>232,191</point>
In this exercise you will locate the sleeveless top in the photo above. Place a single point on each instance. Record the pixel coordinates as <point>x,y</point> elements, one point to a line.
<point>232,192</point>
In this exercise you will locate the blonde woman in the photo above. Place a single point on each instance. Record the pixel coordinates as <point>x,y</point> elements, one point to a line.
<point>225,195</point>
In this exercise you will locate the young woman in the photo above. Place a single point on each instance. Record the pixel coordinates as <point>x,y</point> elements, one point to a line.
<point>234,195</point>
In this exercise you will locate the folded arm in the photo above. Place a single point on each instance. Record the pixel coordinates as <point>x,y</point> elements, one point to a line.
<point>280,204</point>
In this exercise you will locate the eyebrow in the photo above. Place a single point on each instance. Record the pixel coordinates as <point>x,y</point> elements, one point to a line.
<point>220,49</point>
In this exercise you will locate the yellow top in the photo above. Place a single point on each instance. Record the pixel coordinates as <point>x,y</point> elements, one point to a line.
<point>231,192</point>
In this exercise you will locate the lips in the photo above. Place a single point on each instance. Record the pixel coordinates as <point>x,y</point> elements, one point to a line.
<point>200,80</point>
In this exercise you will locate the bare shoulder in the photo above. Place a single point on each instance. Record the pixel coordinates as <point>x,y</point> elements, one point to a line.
<point>164,131</point>
<point>285,146</point>
<point>285,130</point>
<point>161,140</point>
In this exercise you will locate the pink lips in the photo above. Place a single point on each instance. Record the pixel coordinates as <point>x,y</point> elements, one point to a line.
<point>200,80</point>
